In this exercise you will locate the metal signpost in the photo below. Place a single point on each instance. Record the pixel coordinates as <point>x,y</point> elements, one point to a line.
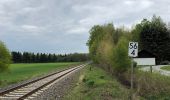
<point>132,52</point>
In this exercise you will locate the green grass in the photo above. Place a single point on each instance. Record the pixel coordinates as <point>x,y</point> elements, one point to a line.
<point>152,86</point>
<point>19,72</point>
<point>97,85</point>
<point>166,68</point>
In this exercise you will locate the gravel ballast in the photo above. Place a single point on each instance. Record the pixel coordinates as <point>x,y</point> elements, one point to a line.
<point>60,87</point>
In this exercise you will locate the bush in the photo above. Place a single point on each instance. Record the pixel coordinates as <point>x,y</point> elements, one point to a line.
<point>84,80</point>
<point>90,83</point>
<point>121,61</point>
<point>101,77</point>
<point>5,57</point>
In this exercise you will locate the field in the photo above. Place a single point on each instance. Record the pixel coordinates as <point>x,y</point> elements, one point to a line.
<point>97,85</point>
<point>166,68</point>
<point>19,72</point>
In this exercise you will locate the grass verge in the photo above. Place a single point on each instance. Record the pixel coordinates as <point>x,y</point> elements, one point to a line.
<point>150,86</point>
<point>19,72</point>
<point>96,84</point>
<point>153,86</point>
<point>166,68</point>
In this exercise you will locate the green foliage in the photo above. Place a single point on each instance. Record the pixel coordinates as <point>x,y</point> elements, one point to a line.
<point>166,68</point>
<point>5,57</point>
<point>108,47</point>
<point>84,80</point>
<point>101,77</point>
<point>134,64</point>
<point>152,86</point>
<point>27,57</point>
<point>121,61</point>
<point>153,36</point>
<point>97,35</point>
<point>90,83</point>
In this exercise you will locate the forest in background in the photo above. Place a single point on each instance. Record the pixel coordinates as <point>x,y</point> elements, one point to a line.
<point>28,57</point>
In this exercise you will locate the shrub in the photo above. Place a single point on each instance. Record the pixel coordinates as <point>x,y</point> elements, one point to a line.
<point>90,83</point>
<point>84,80</point>
<point>101,77</point>
<point>121,61</point>
<point>5,57</point>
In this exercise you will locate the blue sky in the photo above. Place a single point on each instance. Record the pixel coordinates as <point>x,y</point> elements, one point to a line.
<point>61,26</point>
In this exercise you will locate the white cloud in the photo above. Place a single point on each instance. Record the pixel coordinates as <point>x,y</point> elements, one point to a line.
<point>78,30</point>
<point>129,2</point>
<point>68,22</point>
<point>30,28</point>
<point>6,1</point>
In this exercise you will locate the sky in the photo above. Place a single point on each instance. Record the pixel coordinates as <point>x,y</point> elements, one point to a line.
<point>62,26</point>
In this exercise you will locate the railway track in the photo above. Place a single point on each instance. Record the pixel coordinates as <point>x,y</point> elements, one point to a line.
<point>34,88</point>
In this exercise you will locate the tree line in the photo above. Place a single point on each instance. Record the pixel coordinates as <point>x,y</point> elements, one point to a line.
<point>108,46</point>
<point>28,57</point>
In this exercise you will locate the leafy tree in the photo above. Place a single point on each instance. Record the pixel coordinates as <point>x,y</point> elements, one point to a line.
<point>108,48</point>
<point>5,57</point>
<point>154,37</point>
<point>121,61</point>
<point>97,34</point>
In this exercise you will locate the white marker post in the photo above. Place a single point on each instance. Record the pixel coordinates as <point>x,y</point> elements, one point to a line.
<point>133,52</point>
<point>133,49</point>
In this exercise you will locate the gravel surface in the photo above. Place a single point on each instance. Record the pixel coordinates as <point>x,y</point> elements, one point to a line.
<point>60,87</point>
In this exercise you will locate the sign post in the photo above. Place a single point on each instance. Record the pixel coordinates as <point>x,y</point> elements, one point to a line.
<point>132,52</point>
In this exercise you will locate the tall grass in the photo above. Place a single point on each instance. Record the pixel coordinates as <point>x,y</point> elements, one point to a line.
<point>150,86</point>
